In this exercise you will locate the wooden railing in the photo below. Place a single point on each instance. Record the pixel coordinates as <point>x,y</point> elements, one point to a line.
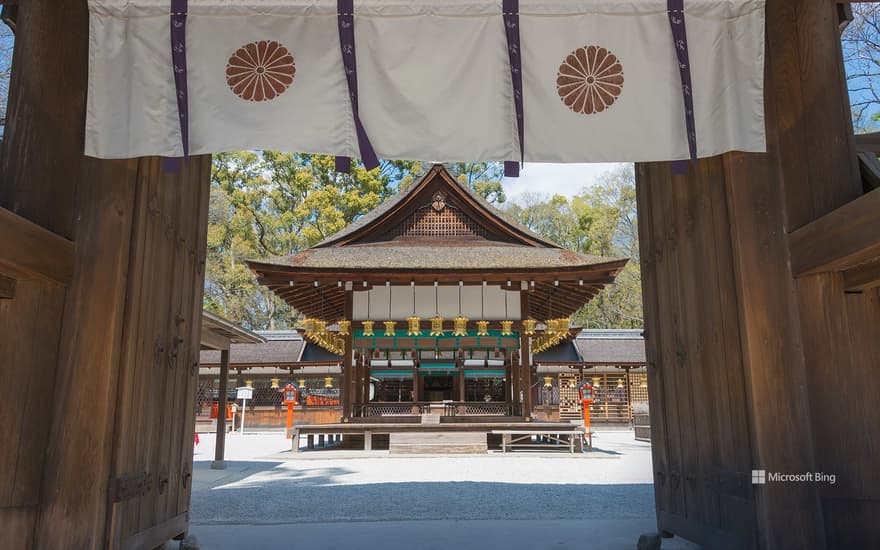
<point>449,408</point>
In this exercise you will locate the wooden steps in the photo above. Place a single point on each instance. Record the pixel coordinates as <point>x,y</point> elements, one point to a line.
<point>438,443</point>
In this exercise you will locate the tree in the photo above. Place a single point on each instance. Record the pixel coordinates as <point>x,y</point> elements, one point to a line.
<point>600,220</point>
<point>7,42</point>
<point>483,177</point>
<point>861,53</point>
<point>269,203</point>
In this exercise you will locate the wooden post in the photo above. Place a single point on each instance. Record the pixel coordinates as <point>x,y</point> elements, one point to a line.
<point>524,396</point>
<point>347,389</point>
<point>220,447</point>
<point>417,393</point>
<point>461,381</point>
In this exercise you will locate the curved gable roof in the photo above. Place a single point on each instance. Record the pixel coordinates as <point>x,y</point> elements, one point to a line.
<point>387,210</point>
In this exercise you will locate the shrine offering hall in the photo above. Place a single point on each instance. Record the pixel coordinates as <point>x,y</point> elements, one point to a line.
<point>437,304</point>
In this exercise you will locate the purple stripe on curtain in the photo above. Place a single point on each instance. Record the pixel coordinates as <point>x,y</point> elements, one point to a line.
<point>510,12</point>
<point>675,10</point>
<point>178,64</point>
<point>345,19</point>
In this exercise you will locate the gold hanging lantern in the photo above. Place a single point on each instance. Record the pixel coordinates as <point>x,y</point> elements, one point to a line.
<point>344,327</point>
<point>413,328</point>
<point>368,327</point>
<point>529,326</point>
<point>275,383</point>
<point>619,384</point>
<point>389,328</point>
<point>506,328</point>
<point>328,382</point>
<point>595,381</point>
<point>482,328</point>
<point>302,382</point>
<point>564,324</point>
<point>548,381</point>
<point>644,383</point>
<point>459,326</point>
<point>249,383</point>
<point>437,326</point>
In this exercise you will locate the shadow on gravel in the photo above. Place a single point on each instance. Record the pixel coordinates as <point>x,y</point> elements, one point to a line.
<point>309,498</point>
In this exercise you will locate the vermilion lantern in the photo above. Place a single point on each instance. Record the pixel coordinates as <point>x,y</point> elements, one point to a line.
<point>291,396</point>
<point>291,393</point>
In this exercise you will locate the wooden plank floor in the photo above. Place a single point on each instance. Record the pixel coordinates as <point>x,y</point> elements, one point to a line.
<point>438,443</point>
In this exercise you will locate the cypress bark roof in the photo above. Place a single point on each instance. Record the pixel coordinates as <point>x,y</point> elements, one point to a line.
<point>436,230</point>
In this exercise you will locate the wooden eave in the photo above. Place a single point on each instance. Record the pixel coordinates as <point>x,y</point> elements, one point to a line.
<point>218,333</point>
<point>320,293</point>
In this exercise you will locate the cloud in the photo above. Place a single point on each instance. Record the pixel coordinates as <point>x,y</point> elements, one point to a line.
<point>554,179</point>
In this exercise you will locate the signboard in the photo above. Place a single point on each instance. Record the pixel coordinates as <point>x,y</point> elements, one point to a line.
<point>245,393</point>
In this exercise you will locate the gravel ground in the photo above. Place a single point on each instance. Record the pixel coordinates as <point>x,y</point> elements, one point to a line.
<point>265,483</point>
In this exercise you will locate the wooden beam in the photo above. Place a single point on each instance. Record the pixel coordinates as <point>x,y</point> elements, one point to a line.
<point>869,166</point>
<point>280,274</point>
<point>30,251</point>
<point>158,534</point>
<point>843,238</point>
<point>213,340</point>
<point>863,277</point>
<point>7,287</point>
<point>868,143</point>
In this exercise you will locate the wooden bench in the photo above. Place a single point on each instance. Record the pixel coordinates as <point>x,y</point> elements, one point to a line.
<point>368,429</point>
<point>523,438</point>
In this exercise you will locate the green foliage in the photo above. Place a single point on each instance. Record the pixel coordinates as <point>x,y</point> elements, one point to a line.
<point>482,177</point>
<point>269,203</point>
<point>600,220</point>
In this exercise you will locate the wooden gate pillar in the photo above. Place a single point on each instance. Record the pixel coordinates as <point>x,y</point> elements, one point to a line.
<point>740,341</point>
<point>108,355</point>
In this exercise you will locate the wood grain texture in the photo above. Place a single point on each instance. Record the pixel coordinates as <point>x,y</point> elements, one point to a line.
<point>43,137</point>
<point>862,277</point>
<point>27,250</point>
<point>7,288</point>
<point>17,525</point>
<point>78,454</point>
<point>701,443</point>
<point>29,325</point>
<point>839,240</point>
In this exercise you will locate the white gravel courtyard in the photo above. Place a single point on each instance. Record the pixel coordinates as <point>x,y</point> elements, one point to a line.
<point>266,484</point>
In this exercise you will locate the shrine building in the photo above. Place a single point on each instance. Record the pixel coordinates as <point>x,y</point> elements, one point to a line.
<point>437,303</point>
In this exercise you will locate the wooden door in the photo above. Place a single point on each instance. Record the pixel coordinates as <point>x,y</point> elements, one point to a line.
<point>158,374</point>
<point>699,419</point>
